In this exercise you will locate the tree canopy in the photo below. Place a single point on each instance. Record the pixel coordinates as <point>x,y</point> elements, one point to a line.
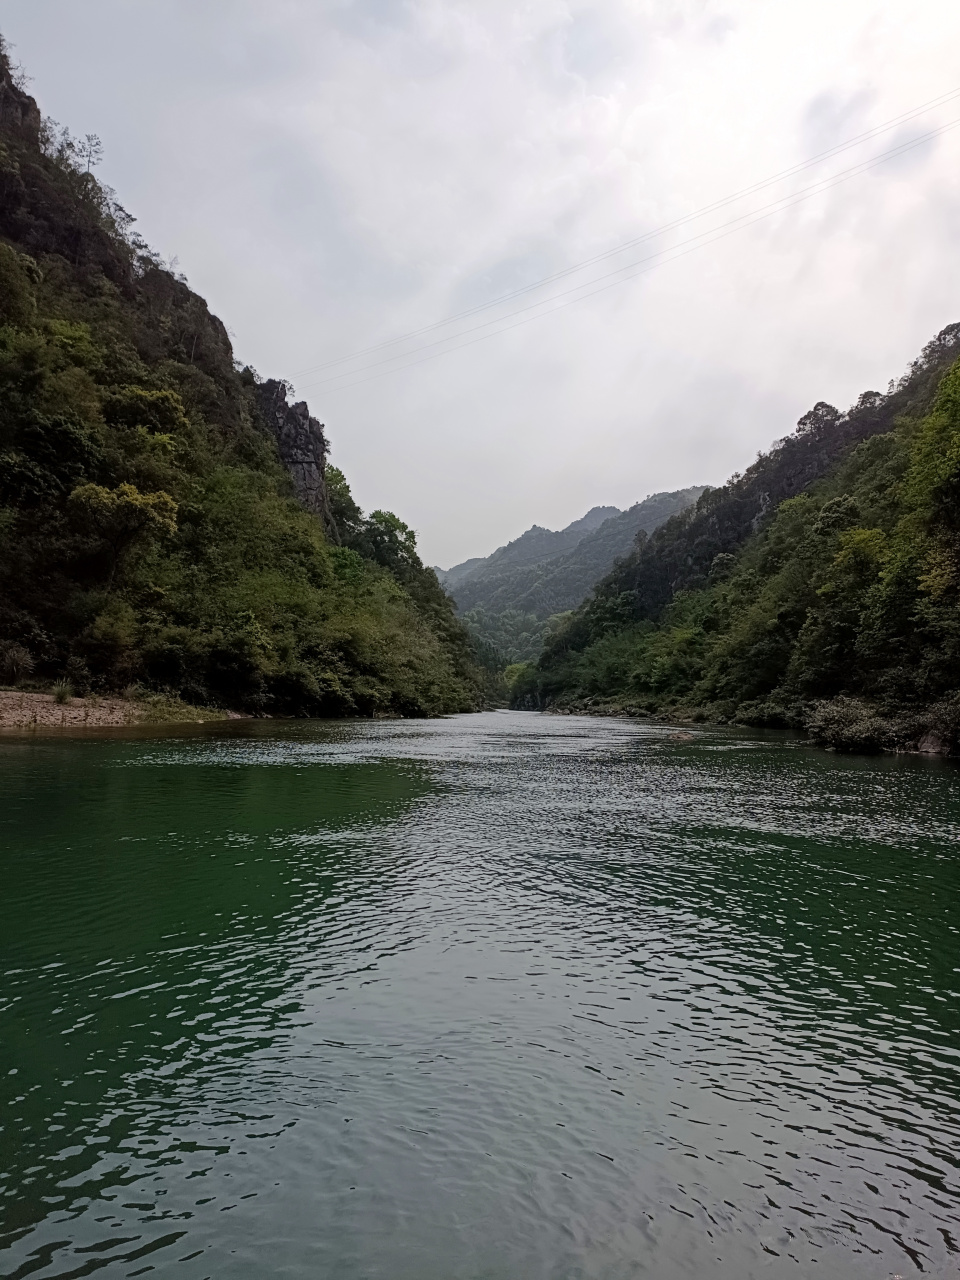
<point>821,589</point>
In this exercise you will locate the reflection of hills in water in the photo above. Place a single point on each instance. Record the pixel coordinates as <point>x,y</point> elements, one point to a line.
<point>366,985</point>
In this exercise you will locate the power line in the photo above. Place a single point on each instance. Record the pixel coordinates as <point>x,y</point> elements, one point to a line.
<point>754,188</point>
<point>610,279</point>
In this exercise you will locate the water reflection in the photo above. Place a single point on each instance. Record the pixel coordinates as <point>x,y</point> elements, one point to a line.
<point>491,996</point>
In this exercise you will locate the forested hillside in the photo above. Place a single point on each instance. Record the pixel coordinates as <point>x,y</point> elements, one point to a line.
<point>820,589</point>
<point>562,580</point>
<point>167,519</point>
<point>532,547</point>
<point>513,598</point>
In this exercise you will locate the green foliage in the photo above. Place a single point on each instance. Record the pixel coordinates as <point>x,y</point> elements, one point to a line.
<point>522,686</point>
<point>840,613</point>
<point>147,535</point>
<point>18,303</point>
<point>154,411</point>
<point>346,514</point>
<point>123,516</point>
<point>16,663</point>
<point>515,636</point>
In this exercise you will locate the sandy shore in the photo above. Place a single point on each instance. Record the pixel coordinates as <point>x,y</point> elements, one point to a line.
<point>22,710</point>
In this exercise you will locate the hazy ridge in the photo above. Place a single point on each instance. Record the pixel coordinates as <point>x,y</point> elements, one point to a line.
<point>509,598</point>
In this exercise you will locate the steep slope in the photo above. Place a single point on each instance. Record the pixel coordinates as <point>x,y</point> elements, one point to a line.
<point>166,518</point>
<point>680,554</point>
<point>448,578</point>
<point>561,582</point>
<point>819,589</point>
<point>510,608</point>
<point>532,547</point>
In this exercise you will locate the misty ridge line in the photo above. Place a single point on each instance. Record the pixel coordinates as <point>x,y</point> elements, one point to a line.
<point>704,211</point>
<point>616,277</point>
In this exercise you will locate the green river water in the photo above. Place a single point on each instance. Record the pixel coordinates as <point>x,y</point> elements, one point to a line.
<point>504,996</point>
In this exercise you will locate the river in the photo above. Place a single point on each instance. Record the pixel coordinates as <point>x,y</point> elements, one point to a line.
<point>494,997</point>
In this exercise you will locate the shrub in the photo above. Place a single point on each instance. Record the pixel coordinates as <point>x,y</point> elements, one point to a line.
<point>848,724</point>
<point>17,663</point>
<point>62,691</point>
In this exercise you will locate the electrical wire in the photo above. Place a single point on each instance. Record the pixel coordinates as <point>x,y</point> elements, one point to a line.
<point>618,276</point>
<point>716,205</point>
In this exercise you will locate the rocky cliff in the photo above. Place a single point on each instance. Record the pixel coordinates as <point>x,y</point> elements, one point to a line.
<point>303,449</point>
<point>17,109</point>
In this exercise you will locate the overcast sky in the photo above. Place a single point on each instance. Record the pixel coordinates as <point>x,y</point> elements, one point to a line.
<point>334,174</point>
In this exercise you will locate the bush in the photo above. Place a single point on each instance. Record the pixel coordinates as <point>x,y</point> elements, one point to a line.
<point>849,724</point>
<point>17,663</point>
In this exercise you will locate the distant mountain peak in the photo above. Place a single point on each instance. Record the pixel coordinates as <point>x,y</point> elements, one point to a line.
<point>594,518</point>
<point>537,544</point>
<point>544,572</point>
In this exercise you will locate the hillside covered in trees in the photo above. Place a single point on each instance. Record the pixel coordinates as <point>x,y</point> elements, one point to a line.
<point>167,519</point>
<point>533,547</point>
<point>513,598</point>
<point>818,590</point>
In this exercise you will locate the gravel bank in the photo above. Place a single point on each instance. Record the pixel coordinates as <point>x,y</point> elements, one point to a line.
<point>22,710</point>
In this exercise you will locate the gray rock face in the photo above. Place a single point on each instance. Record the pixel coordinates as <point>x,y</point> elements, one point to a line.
<point>932,743</point>
<point>303,449</point>
<point>17,109</point>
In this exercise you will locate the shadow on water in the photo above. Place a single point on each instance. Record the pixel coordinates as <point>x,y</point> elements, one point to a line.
<point>148,884</point>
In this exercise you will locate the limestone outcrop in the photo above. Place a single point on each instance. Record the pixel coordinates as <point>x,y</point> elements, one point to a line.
<point>17,109</point>
<point>303,449</point>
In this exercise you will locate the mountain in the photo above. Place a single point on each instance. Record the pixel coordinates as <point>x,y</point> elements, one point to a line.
<point>560,581</point>
<point>820,589</point>
<point>533,547</point>
<point>449,577</point>
<point>508,598</point>
<point>168,521</point>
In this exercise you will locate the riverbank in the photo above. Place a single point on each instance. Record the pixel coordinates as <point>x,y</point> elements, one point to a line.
<point>23,709</point>
<point>838,724</point>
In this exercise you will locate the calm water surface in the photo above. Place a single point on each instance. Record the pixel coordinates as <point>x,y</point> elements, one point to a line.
<point>500,996</point>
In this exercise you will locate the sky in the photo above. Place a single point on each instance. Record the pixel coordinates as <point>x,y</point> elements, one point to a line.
<point>336,175</point>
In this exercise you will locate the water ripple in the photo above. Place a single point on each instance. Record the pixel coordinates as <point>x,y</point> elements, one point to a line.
<point>492,996</point>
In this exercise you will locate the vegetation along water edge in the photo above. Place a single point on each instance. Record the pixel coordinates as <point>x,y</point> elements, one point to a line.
<point>174,542</point>
<point>819,590</point>
<point>168,520</point>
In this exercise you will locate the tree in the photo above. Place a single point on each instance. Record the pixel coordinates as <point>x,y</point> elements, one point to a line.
<point>91,150</point>
<point>123,516</point>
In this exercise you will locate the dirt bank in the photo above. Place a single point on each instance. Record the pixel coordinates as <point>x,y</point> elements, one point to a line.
<point>22,710</point>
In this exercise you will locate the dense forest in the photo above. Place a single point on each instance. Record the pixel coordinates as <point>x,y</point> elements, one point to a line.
<point>515,597</point>
<point>818,590</point>
<point>167,520</point>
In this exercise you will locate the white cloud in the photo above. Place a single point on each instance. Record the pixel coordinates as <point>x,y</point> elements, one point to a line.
<point>333,174</point>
